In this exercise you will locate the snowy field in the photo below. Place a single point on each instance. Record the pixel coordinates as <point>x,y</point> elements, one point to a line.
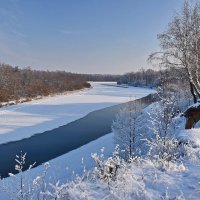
<point>23,120</point>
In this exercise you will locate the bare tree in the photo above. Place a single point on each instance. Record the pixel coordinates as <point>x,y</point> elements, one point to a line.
<point>17,84</point>
<point>180,46</point>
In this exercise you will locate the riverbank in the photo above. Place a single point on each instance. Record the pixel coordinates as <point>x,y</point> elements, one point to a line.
<point>25,100</point>
<point>24,120</point>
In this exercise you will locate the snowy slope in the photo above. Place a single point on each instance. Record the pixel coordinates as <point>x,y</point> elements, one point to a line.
<point>23,120</point>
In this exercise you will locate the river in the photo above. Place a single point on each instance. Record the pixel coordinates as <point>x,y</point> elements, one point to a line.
<point>51,144</point>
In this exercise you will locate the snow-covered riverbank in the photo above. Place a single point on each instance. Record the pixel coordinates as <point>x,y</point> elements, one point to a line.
<point>23,120</point>
<point>144,179</point>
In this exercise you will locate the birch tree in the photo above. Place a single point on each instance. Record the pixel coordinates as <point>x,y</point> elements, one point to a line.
<point>180,46</point>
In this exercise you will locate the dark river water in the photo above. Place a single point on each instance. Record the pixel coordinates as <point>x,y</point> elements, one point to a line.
<point>45,146</point>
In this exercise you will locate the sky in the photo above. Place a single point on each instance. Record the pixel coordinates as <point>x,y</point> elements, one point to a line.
<point>83,36</point>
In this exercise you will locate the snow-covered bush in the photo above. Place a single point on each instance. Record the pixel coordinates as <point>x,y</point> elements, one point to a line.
<point>20,188</point>
<point>106,169</point>
<point>39,185</point>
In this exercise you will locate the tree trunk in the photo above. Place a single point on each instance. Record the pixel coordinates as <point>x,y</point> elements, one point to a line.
<point>196,90</point>
<point>192,92</point>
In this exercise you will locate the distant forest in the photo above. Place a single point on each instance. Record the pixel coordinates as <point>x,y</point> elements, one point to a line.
<point>141,78</point>
<point>17,83</point>
<point>20,85</point>
<point>154,78</point>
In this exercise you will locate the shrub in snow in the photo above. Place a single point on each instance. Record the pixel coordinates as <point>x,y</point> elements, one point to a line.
<point>20,188</point>
<point>107,169</point>
<point>39,184</point>
<point>165,149</point>
<point>57,191</point>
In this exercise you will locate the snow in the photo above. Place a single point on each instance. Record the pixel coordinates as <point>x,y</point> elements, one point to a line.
<point>195,105</point>
<point>146,179</point>
<point>138,180</point>
<point>141,179</point>
<point>26,119</point>
<point>74,162</point>
<point>66,167</point>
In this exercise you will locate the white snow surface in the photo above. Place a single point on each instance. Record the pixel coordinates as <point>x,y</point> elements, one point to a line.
<point>63,168</point>
<point>24,120</point>
<point>144,180</point>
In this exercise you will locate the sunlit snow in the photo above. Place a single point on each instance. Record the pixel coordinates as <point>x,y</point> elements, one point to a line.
<point>23,120</point>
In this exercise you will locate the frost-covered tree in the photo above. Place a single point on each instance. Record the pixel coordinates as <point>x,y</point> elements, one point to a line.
<point>161,116</point>
<point>125,129</point>
<point>180,46</point>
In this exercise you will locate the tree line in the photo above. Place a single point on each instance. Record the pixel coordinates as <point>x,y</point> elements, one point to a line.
<point>141,78</point>
<point>16,83</point>
<point>99,77</point>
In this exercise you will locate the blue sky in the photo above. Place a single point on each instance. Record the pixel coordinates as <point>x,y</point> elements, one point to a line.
<point>87,36</point>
